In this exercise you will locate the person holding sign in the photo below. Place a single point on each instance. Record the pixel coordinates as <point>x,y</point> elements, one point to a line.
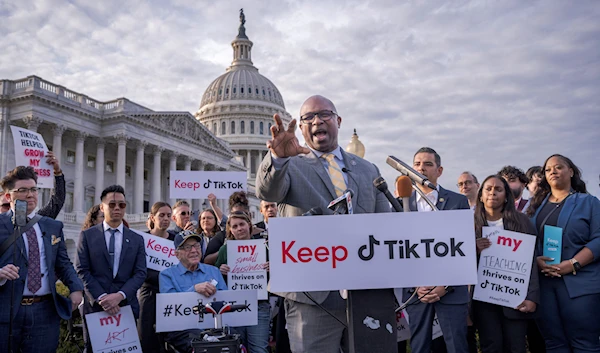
<point>189,275</point>
<point>565,214</point>
<point>502,329</point>
<point>255,338</point>
<point>160,219</point>
<point>208,228</point>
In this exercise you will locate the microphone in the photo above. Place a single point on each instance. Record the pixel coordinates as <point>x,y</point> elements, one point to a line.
<point>20,216</point>
<point>404,190</point>
<point>315,211</point>
<point>382,186</point>
<point>343,204</point>
<point>407,170</point>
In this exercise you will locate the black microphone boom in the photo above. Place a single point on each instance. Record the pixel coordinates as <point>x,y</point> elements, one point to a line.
<point>407,170</point>
<point>382,186</point>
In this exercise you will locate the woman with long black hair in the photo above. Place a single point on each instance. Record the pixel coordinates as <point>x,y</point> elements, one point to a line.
<point>570,289</point>
<point>502,329</point>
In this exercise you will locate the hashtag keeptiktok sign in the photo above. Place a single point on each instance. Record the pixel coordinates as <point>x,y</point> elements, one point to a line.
<point>175,311</point>
<point>199,184</point>
<point>369,251</point>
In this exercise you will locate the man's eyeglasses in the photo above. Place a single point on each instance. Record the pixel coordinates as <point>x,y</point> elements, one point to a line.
<point>185,213</point>
<point>114,204</point>
<point>33,190</point>
<point>465,183</point>
<point>323,114</point>
<point>189,247</point>
<point>6,205</point>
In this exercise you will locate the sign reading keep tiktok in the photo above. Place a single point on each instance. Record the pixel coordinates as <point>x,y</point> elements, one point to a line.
<point>370,251</point>
<point>199,184</point>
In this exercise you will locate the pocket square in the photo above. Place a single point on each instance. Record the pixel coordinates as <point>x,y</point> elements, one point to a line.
<point>55,239</point>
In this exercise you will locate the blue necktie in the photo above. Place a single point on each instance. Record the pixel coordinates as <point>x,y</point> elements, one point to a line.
<point>111,249</point>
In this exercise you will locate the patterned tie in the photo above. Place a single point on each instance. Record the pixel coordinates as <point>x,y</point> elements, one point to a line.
<point>335,174</point>
<point>34,274</point>
<point>111,249</point>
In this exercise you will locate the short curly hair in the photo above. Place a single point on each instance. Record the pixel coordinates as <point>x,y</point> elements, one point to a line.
<point>19,173</point>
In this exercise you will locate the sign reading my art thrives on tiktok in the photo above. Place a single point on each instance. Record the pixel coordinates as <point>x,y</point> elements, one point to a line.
<point>369,251</point>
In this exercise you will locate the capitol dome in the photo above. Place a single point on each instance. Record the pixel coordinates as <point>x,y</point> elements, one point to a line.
<point>239,105</point>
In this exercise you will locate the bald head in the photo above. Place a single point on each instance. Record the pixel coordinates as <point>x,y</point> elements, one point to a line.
<point>319,123</point>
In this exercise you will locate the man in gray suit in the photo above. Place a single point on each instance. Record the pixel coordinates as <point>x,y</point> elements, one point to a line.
<point>299,178</point>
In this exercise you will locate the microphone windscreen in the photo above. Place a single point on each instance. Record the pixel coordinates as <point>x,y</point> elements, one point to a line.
<point>404,186</point>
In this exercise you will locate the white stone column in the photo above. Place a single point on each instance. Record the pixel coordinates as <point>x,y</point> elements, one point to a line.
<point>188,167</point>
<point>259,159</point>
<point>100,167</point>
<point>121,158</point>
<point>155,185</point>
<point>172,166</point>
<point>78,191</point>
<point>57,133</point>
<point>138,192</point>
<point>249,162</point>
<point>32,122</point>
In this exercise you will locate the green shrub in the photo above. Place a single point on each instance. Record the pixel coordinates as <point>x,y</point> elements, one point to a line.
<point>65,346</point>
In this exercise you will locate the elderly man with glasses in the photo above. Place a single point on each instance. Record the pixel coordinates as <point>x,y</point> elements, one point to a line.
<point>189,275</point>
<point>111,260</point>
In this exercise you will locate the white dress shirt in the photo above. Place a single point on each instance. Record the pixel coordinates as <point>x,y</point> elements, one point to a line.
<point>422,205</point>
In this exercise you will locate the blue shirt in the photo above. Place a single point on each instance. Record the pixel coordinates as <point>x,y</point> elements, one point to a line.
<point>180,279</point>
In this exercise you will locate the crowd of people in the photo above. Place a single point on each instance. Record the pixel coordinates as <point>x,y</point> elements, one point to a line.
<point>110,268</point>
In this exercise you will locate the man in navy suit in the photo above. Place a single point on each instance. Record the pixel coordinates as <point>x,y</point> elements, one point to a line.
<point>449,303</point>
<point>41,257</point>
<point>111,260</point>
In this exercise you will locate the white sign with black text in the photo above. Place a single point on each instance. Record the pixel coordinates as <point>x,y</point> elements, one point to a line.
<point>116,333</point>
<point>174,311</point>
<point>246,260</point>
<point>350,251</point>
<point>199,184</point>
<point>505,267</point>
<point>30,151</point>
<point>160,252</point>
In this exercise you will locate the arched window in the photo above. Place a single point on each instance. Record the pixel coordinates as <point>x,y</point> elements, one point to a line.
<point>261,127</point>
<point>233,127</point>
<point>252,127</point>
<point>223,127</point>
<point>241,90</point>
<point>227,90</point>
<point>270,126</point>
<point>215,128</point>
<point>242,127</point>
<point>234,90</point>
<point>256,90</point>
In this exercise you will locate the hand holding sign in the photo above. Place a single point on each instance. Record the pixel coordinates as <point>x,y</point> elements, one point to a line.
<point>110,303</point>
<point>527,306</point>
<point>51,160</point>
<point>548,270</point>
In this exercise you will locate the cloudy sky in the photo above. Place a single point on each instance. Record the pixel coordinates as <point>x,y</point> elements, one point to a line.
<point>485,83</point>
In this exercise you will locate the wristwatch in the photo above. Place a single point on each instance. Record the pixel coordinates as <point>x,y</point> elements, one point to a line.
<point>576,265</point>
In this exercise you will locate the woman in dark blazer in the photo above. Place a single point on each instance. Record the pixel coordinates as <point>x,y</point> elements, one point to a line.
<point>502,329</point>
<point>570,290</point>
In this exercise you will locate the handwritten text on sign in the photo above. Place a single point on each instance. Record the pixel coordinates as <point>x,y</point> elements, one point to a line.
<point>112,334</point>
<point>30,151</point>
<point>174,310</point>
<point>246,259</point>
<point>349,251</point>
<point>504,267</point>
<point>199,184</point>
<point>160,252</point>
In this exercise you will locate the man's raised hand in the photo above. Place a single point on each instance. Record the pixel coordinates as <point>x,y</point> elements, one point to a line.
<point>284,142</point>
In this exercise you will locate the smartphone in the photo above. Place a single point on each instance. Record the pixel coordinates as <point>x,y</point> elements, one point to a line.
<point>20,213</point>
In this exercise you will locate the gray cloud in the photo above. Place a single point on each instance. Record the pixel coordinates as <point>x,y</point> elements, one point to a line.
<point>485,84</point>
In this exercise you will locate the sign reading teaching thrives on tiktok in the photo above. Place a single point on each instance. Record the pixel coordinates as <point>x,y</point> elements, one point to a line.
<point>174,311</point>
<point>504,267</point>
<point>246,260</point>
<point>112,334</point>
<point>199,184</point>
<point>364,251</point>
<point>30,151</point>
<point>160,252</point>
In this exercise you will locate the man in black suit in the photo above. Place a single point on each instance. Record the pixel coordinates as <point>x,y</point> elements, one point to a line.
<point>111,260</point>
<point>449,303</point>
<point>268,210</point>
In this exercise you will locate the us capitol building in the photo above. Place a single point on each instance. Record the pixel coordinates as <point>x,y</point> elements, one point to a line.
<point>122,142</point>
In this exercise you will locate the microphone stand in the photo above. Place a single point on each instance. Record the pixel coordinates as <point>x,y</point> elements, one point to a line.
<point>12,293</point>
<point>433,206</point>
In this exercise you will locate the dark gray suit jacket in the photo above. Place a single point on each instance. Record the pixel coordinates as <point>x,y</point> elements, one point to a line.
<point>95,270</point>
<point>303,183</point>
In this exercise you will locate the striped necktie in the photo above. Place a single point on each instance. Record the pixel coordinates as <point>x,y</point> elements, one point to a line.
<point>335,174</point>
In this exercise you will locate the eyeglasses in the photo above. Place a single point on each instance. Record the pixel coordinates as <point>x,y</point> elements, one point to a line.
<point>5,205</point>
<point>465,183</point>
<point>114,204</point>
<point>189,247</point>
<point>185,213</point>
<point>33,190</point>
<point>323,114</point>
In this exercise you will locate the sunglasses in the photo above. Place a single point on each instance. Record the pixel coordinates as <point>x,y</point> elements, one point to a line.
<point>114,204</point>
<point>185,213</point>
<point>5,205</point>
